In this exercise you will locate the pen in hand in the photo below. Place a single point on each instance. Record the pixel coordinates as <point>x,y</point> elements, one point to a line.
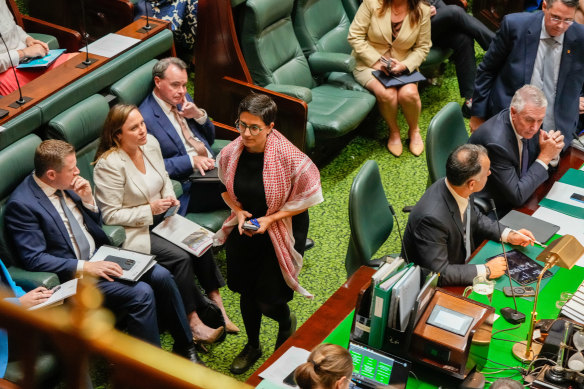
<point>534,241</point>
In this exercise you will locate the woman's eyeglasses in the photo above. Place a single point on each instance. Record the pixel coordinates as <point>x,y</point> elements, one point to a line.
<point>253,129</point>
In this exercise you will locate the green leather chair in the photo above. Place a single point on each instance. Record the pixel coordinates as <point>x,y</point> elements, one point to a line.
<point>132,89</point>
<point>276,62</point>
<point>321,27</point>
<point>81,126</point>
<point>370,218</point>
<point>445,133</point>
<point>16,162</point>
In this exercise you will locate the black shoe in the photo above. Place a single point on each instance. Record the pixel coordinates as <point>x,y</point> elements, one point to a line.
<point>190,353</point>
<point>284,335</point>
<point>309,244</point>
<point>245,359</point>
<point>466,107</point>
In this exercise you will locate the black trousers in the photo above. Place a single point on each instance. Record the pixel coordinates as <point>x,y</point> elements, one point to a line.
<point>206,197</point>
<point>455,29</point>
<point>183,267</point>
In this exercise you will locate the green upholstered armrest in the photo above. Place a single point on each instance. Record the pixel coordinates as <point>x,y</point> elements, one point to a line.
<point>299,92</point>
<point>331,62</point>
<point>115,234</point>
<point>28,280</point>
<point>218,145</point>
<point>177,186</point>
<point>48,39</point>
<point>310,139</point>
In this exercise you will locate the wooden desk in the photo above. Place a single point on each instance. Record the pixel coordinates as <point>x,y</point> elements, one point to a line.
<point>324,320</point>
<point>343,301</point>
<point>61,76</point>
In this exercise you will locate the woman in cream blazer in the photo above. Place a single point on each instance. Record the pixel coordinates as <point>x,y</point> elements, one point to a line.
<point>132,189</point>
<point>399,31</point>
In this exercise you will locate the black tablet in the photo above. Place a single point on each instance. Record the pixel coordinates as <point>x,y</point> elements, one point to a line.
<point>522,269</point>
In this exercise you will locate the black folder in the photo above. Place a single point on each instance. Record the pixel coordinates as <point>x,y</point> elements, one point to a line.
<point>542,230</point>
<point>400,80</point>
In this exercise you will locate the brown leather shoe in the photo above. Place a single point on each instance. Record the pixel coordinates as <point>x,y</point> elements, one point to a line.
<point>211,338</point>
<point>395,148</point>
<point>231,328</point>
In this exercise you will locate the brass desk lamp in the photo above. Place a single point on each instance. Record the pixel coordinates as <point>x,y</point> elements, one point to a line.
<point>563,252</point>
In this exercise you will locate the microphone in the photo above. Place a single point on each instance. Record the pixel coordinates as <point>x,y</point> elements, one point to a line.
<point>22,99</point>
<point>400,234</point>
<point>513,316</point>
<point>88,61</point>
<point>147,27</point>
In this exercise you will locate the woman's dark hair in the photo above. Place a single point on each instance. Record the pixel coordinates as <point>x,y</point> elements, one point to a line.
<point>413,9</point>
<point>327,363</point>
<point>259,105</point>
<point>114,121</point>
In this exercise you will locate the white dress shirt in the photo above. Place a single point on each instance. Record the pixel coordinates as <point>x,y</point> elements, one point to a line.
<point>13,35</point>
<point>553,162</point>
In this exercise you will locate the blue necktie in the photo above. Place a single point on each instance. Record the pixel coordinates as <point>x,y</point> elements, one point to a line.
<point>78,235</point>
<point>524,157</point>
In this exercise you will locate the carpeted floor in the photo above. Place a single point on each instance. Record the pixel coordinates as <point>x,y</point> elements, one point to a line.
<point>404,180</point>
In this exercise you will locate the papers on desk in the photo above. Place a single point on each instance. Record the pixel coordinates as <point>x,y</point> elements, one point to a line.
<point>574,307</point>
<point>133,263</point>
<point>561,192</point>
<point>568,224</point>
<point>60,293</point>
<point>111,45</point>
<point>286,364</point>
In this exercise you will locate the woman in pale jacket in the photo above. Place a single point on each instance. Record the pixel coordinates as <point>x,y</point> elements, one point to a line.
<point>395,32</point>
<point>132,189</point>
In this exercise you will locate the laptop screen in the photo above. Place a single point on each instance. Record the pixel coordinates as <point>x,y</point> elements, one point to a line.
<point>376,369</point>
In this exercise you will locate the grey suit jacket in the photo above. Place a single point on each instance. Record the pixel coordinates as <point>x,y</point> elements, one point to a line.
<point>434,237</point>
<point>122,195</point>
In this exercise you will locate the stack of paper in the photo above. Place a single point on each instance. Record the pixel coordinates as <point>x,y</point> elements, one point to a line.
<point>133,263</point>
<point>60,293</point>
<point>574,307</point>
<point>186,234</point>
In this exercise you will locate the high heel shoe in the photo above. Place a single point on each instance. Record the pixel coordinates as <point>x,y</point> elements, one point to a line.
<point>231,328</point>
<point>211,338</point>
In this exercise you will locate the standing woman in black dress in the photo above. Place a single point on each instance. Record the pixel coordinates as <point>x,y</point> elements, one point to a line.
<point>269,179</point>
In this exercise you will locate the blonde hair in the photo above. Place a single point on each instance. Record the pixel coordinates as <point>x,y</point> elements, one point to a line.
<point>326,364</point>
<point>112,126</point>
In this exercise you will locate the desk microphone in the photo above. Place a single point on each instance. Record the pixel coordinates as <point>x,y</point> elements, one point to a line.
<point>513,316</point>
<point>147,27</point>
<point>88,61</point>
<point>400,234</point>
<point>22,99</point>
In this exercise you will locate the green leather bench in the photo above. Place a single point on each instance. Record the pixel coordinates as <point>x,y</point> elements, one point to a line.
<point>16,162</point>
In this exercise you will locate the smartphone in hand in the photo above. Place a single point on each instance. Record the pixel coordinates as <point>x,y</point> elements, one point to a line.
<point>251,225</point>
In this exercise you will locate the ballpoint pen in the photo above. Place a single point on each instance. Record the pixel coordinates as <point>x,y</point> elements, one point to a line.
<point>534,241</point>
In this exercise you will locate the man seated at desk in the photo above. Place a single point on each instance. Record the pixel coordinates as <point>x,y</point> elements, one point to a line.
<point>185,134</point>
<point>445,226</point>
<point>520,152</point>
<point>20,46</point>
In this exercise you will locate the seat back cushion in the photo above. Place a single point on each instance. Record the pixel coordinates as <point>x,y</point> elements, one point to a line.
<point>135,86</point>
<point>271,50</point>
<point>82,123</point>
<point>370,220</point>
<point>16,162</point>
<point>445,133</point>
<point>321,25</point>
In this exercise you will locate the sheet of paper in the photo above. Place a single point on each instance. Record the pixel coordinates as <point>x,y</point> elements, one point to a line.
<point>289,361</point>
<point>568,224</point>
<point>561,192</point>
<point>60,293</point>
<point>111,45</point>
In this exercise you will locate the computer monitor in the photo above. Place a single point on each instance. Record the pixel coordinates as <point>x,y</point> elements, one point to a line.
<point>374,368</point>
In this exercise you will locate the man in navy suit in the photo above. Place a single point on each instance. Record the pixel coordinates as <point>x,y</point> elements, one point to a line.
<point>185,134</point>
<point>535,48</point>
<point>56,226</point>
<point>519,151</point>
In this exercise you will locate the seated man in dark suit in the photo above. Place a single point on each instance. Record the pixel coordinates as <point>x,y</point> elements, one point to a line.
<point>520,152</point>
<point>445,226</point>
<point>543,48</point>
<point>185,134</point>
<point>56,227</point>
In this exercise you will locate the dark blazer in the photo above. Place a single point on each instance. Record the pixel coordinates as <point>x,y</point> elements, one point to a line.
<point>505,185</point>
<point>39,234</point>
<point>434,236</point>
<point>176,160</point>
<point>508,65</point>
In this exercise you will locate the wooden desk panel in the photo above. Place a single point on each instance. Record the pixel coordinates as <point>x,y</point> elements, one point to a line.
<point>61,76</point>
<point>324,320</point>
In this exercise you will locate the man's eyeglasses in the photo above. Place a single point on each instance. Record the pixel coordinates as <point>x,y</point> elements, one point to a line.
<point>253,129</point>
<point>557,20</point>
